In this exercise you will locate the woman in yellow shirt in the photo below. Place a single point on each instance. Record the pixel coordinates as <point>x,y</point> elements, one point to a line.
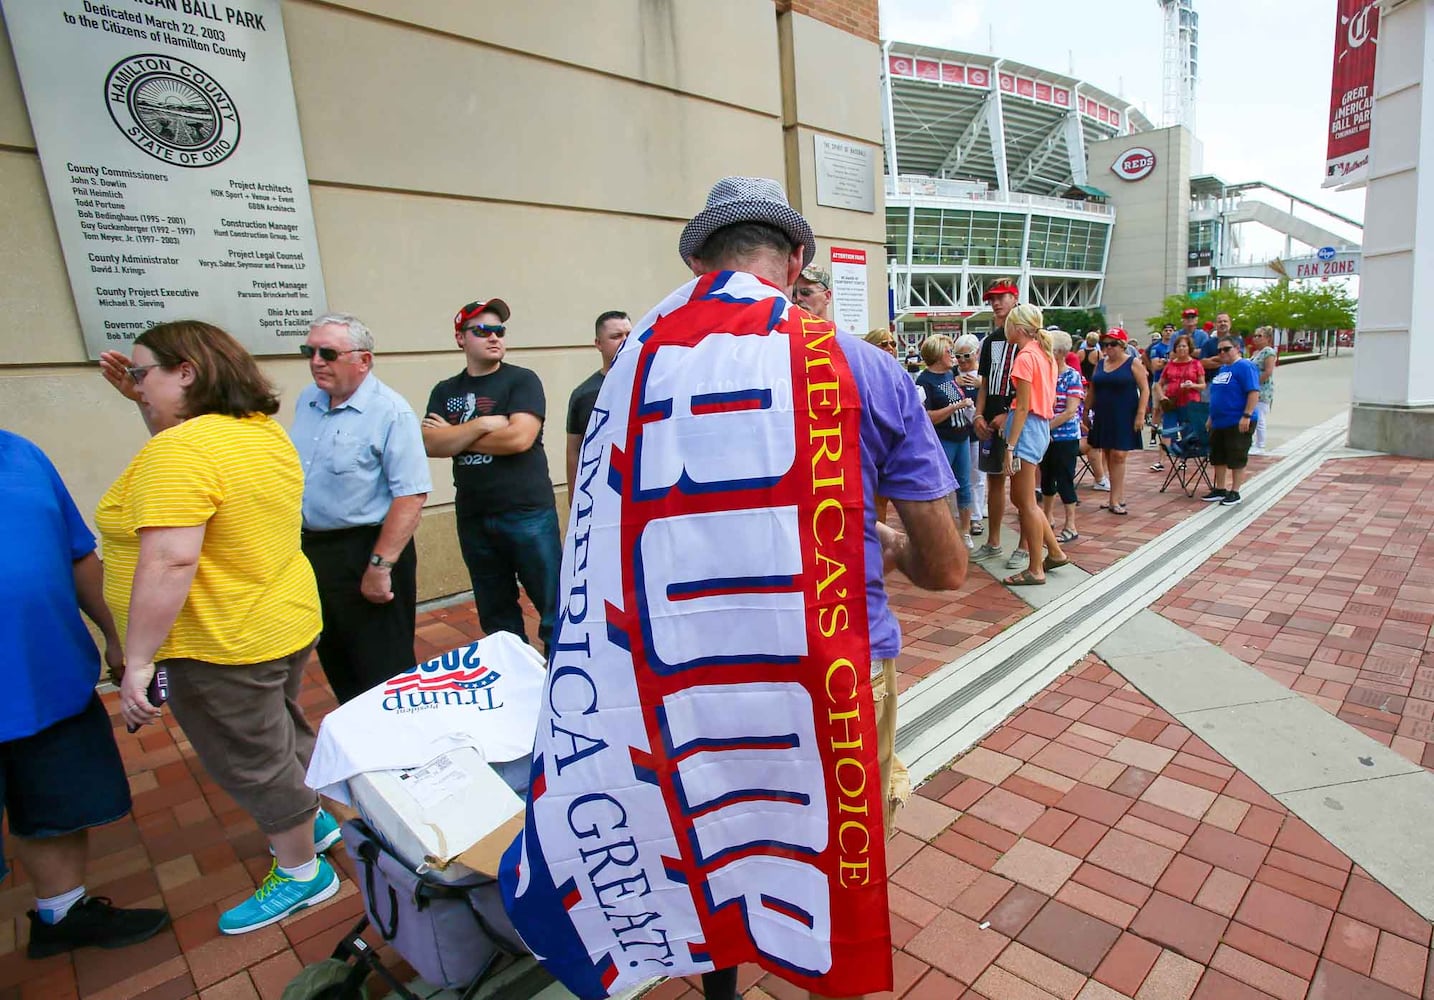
<point>206,579</point>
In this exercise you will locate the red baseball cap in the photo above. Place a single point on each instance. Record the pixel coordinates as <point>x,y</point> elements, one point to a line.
<point>1190,312</point>
<point>495,306</point>
<point>1001,288</point>
<point>1115,333</point>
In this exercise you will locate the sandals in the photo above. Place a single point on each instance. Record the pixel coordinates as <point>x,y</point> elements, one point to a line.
<point>1117,508</point>
<point>1024,579</point>
<point>1050,564</point>
<point>977,528</point>
<point>1067,536</point>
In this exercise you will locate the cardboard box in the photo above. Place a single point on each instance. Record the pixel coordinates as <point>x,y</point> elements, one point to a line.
<point>447,819</point>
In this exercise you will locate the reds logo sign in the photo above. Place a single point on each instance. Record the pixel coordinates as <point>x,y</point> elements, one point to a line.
<point>1133,164</point>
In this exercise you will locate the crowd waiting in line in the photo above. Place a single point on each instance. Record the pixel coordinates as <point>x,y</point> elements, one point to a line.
<point>1018,410</point>
<point>233,549</point>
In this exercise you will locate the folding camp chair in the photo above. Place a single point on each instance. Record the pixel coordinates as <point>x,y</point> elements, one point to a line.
<point>1188,442</point>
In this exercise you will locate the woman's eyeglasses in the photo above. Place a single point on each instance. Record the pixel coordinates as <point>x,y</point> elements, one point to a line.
<point>138,372</point>
<point>329,354</point>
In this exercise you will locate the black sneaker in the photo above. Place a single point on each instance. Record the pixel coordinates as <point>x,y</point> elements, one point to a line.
<point>1215,496</point>
<point>94,921</point>
<point>1231,498</point>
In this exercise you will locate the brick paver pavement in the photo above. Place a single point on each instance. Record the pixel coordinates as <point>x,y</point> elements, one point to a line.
<point>1112,853</point>
<point>1092,848</point>
<point>1106,538</point>
<point>1332,594</point>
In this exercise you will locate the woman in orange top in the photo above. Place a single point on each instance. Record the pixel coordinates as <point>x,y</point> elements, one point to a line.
<point>1028,430</point>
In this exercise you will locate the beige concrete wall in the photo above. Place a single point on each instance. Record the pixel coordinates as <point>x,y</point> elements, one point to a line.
<point>545,152</point>
<point>1148,250</point>
<point>822,94</point>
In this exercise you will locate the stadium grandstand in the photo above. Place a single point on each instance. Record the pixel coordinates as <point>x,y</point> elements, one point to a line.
<point>986,177</point>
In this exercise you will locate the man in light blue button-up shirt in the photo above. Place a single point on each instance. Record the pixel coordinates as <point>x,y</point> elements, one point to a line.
<point>365,481</point>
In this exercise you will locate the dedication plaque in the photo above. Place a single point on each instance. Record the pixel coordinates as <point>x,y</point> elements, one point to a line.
<point>170,145</point>
<point>846,176</point>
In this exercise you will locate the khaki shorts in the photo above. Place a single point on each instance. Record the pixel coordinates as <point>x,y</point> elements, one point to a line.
<point>894,777</point>
<point>248,730</point>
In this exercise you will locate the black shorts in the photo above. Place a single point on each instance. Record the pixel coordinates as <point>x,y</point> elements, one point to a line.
<point>65,778</point>
<point>1230,447</point>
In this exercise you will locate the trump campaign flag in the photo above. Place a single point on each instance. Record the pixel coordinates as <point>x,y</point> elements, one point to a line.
<point>705,788</point>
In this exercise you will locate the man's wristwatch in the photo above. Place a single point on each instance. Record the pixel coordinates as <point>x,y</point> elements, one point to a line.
<point>380,562</point>
<point>1247,417</point>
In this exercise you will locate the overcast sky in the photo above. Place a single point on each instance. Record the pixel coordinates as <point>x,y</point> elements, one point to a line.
<point>1263,92</point>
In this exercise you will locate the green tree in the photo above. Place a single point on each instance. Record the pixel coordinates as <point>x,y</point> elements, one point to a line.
<point>1323,306</point>
<point>1226,299</point>
<point>1274,305</point>
<point>1075,321</point>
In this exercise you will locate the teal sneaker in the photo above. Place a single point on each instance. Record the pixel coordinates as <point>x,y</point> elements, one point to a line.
<point>327,832</point>
<point>278,897</point>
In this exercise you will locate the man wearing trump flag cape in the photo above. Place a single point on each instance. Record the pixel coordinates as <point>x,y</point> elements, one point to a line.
<point>713,769</point>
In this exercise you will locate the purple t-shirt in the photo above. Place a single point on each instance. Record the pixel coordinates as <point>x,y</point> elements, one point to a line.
<point>900,459</point>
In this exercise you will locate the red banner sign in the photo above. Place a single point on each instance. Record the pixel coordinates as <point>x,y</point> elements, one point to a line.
<point>1351,102</point>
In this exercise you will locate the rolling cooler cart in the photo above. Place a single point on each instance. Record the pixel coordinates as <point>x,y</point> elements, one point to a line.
<point>455,935</point>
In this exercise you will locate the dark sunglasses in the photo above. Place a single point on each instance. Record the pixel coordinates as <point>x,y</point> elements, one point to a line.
<point>484,329</point>
<point>327,353</point>
<point>1227,347</point>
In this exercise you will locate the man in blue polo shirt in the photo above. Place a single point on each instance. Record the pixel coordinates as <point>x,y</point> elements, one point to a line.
<point>1234,394</point>
<point>60,771</point>
<point>365,480</point>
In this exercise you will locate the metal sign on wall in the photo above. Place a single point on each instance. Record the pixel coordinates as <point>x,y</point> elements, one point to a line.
<point>170,146</point>
<point>846,174</point>
<point>849,289</point>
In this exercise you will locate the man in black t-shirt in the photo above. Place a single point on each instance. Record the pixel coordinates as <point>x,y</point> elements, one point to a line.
<point>610,330</point>
<point>993,400</point>
<point>489,419</point>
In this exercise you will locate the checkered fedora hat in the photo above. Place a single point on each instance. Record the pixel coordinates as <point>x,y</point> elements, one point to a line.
<point>747,199</point>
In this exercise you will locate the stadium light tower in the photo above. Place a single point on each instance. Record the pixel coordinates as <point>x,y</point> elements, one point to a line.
<point>1182,53</point>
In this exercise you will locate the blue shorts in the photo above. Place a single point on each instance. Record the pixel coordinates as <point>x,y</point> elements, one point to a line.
<point>1035,439</point>
<point>65,778</point>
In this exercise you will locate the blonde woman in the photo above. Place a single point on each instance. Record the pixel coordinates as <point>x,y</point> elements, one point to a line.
<point>966,352</point>
<point>1028,432</point>
<point>1264,357</point>
<point>952,413</point>
<point>883,338</point>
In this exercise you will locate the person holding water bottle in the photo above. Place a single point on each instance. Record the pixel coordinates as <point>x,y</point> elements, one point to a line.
<point>207,581</point>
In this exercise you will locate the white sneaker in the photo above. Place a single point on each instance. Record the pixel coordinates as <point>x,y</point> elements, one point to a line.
<point>970,543</point>
<point>1102,485</point>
